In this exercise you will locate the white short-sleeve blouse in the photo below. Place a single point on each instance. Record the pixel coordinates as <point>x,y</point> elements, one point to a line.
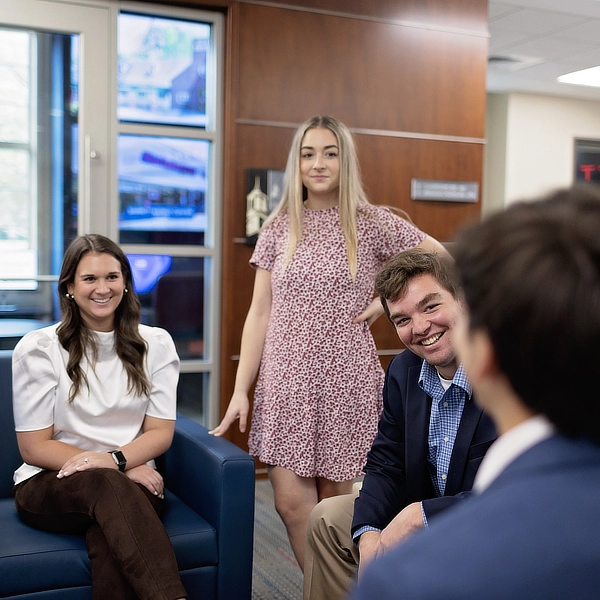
<point>103,416</point>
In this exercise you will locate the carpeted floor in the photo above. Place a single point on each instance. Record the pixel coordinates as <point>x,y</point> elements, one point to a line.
<point>276,575</point>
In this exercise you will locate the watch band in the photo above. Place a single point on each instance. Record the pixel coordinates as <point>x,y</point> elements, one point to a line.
<point>119,459</point>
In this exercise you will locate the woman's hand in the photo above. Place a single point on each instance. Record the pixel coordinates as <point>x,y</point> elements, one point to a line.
<point>150,478</point>
<point>87,460</point>
<point>238,408</point>
<point>253,339</point>
<point>371,313</point>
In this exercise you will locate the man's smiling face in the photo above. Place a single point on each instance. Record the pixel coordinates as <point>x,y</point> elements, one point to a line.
<point>424,318</point>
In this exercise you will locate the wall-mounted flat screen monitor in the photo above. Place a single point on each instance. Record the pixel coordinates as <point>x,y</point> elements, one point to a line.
<point>162,74</point>
<point>162,189</point>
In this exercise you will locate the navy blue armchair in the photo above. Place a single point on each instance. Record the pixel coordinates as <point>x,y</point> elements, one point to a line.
<point>209,517</point>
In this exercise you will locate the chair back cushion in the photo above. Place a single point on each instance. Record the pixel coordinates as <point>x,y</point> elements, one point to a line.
<point>10,459</point>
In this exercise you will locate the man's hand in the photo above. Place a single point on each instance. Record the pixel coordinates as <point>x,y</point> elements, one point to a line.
<point>374,543</point>
<point>404,524</point>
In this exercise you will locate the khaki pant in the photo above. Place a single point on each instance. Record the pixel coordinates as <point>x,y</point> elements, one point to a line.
<point>331,559</point>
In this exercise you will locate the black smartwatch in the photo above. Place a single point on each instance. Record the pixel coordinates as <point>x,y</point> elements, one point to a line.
<point>119,459</point>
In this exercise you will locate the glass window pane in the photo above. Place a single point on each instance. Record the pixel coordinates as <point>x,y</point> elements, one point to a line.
<point>162,70</point>
<point>162,189</point>
<point>15,216</point>
<point>172,292</point>
<point>14,92</point>
<point>38,165</point>
<point>192,394</point>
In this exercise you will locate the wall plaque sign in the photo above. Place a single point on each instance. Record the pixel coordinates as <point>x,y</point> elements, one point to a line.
<point>444,191</point>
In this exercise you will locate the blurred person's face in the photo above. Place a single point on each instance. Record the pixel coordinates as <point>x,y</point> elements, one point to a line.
<point>424,319</point>
<point>475,351</point>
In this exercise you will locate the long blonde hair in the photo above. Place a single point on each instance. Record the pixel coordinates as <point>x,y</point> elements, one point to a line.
<point>351,191</point>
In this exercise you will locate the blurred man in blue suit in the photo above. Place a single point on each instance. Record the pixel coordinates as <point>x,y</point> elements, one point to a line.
<point>530,344</point>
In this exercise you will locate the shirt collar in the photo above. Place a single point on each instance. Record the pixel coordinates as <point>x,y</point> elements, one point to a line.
<point>429,379</point>
<point>509,446</point>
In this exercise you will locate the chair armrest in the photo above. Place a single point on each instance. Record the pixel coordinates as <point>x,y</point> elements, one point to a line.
<point>216,479</point>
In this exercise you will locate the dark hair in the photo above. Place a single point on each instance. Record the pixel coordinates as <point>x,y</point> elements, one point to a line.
<point>394,277</point>
<point>77,339</point>
<point>531,280</point>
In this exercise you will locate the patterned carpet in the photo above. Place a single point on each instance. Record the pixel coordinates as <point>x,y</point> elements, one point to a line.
<point>276,575</point>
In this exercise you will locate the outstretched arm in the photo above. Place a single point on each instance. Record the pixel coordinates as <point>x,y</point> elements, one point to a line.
<point>253,340</point>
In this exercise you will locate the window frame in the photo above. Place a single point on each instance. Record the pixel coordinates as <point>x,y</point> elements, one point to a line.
<point>213,132</point>
<point>96,22</point>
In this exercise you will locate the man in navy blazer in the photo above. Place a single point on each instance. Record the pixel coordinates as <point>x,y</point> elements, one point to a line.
<point>397,472</point>
<point>529,341</point>
<point>431,436</point>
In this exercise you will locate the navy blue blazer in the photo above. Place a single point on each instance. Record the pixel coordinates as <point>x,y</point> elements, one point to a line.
<point>533,534</point>
<point>396,472</point>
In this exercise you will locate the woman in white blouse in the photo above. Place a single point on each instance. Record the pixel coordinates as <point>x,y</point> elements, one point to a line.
<point>94,405</point>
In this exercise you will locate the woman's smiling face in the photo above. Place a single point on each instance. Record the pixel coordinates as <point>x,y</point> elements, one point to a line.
<point>320,163</point>
<point>98,289</point>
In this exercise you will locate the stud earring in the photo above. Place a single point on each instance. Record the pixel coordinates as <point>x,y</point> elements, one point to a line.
<point>125,291</point>
<point>70,296</point>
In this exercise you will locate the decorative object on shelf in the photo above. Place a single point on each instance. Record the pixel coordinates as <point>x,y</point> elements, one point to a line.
<point>263,192</point>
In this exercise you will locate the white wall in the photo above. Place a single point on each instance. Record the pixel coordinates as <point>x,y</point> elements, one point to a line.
<point>530,147</point>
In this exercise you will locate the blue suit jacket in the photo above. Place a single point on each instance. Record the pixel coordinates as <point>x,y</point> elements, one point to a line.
<point>396,472</point>
<point>534,534</point>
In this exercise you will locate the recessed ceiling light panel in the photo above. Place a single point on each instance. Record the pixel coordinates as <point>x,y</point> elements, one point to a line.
<point>589,77</point>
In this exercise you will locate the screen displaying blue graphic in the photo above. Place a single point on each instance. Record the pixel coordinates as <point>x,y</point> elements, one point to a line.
<point>146,269</point>
<point>162,184</point>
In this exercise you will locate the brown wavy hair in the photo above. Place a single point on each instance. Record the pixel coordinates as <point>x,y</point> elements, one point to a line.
<point>531,279</point>
<point>393,279</point>
<point>79,341</point>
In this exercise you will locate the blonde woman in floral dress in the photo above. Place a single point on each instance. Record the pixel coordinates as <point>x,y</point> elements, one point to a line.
<point>318,396</point>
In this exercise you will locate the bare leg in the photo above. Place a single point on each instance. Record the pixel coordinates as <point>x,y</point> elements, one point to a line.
<point>295,497</point>
<point>327,488</point>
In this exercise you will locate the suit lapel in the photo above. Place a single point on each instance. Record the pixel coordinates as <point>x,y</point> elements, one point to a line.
<point>460,453</point>
<point>418,409</point>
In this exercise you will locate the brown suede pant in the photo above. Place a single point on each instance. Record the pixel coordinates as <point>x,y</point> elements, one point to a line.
<point>129,549</point>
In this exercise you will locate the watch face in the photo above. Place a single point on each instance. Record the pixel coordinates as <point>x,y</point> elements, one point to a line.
<point>120,459</point>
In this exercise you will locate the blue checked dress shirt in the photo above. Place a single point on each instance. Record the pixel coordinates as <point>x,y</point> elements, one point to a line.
<point>446,412</point>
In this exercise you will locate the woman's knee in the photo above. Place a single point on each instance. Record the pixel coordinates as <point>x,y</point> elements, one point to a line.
<point>110,483</point>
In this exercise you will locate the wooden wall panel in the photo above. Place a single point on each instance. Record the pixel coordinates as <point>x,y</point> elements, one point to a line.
<point>462,15</point>
<point>254,147</point>
<point>369,74</point>
<point>388,164</point>
<point>409,71</point>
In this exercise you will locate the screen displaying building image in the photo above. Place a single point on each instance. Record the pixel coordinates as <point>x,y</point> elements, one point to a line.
<point>162,189</point>
<point>162,70</point>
